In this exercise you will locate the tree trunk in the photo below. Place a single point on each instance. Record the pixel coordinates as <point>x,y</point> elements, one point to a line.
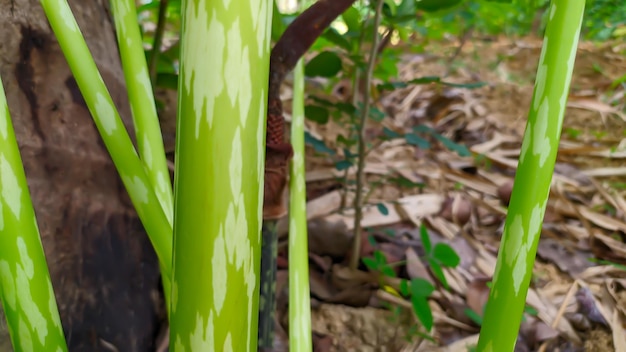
<point>104,271</point>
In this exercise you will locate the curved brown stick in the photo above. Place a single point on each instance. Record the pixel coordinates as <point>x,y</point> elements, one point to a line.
<point>294,42</point>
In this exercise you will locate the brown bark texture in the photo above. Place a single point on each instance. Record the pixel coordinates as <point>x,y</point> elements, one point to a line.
<point>104,271</point>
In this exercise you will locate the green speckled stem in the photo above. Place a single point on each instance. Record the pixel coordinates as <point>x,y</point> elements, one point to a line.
<point>220,163</point>
<point>299,291</point>
<point>267,299</point>
<point>112,130</point>
<point>145,120</point>
<point>532,182</point>
<point>25,287</point>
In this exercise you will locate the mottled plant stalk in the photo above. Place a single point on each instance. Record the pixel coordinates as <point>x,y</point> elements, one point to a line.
<point>222,95</point>
<point>145,119</point>
<point>111,129</point>
<point>267,300</point>
<point>360,177</point>
<point>27,296</point>
<point>143,107</point>
<point>299,291</point>
<point>522,227</point>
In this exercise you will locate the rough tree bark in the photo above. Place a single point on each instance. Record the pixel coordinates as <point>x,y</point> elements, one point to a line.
<point>104,271</point>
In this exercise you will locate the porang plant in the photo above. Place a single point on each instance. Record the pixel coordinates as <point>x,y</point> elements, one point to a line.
<point>207,232</point>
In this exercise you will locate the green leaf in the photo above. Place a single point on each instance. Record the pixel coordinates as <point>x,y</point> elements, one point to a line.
<point>421,287</point>
<point>425,239</point>
<point>278,24</point>
<point>446,255</point>
<point>325,64</point>
<point>167,80</point>
<point>406,8</point>
<point>376,114</point>
<point>422,311</point>
<point>352,18</point>
<point>387,271</point>
<point>460,149</point>
<point>343,164</point>
<point>473,316</point>
<point>345,141</point>
<point>318,145</point>
<point>417,141</point>
<point>370,263</point>
<point>372,240</point>
<point>316,113</point>
<point>380,257</point>
<point>404,287</point>
<point>438,272</point>
<point>390,133</point>
<point>435,5</point>
<point>382,209</point>
<point>334,37</point>
<point>390,8</point>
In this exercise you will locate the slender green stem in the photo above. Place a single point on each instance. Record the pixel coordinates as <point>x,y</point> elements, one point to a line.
<point>532,182</point>
<point>25,287</point>
<point>358,200</point>
<point>267,299</point>
<point>112,130</point>
<point>222,95</point>
<point>146,121</point>
<point>158,39</point>
<point>299,291</point>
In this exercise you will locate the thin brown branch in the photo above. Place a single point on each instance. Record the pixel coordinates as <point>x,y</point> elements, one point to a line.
<point>158,39</point>
<point>358,200</point>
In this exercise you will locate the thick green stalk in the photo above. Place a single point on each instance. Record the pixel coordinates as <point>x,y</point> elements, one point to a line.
<point>145,119</point>
<point>219,174</point>
<point>25,287</point>
<point>299,292</point>
<point>532,182</point>
<point>112,130</point>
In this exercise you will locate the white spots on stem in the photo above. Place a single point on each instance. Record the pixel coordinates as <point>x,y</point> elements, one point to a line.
<point>147,156</point>
<point>228,343</point>
<point>29,307</point>
<point>219,273</point>
<point>123,9</point>
<point>26,339</point>
<point>202,61</point>
<point>25,258</point>
<point>201,338</point>
<point>137,189</point>
<point>237,72</point>
<point>11,190</point>
<point>514,248</point>
<point>105,112</point>
<point>52,306</point>
<point>540,138</point>
<point>4,114</point>
<point>552,10</point>
<point>236,164</point>
<point>8,284</point>
<point>66,14</point>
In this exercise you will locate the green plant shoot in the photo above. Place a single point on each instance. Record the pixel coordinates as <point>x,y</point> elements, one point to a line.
<point>219,174</point>
<point>532,180</point>
<point>25,287</point>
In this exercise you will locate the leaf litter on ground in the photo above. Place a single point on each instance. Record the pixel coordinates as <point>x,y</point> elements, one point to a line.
<point>577,297</point>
